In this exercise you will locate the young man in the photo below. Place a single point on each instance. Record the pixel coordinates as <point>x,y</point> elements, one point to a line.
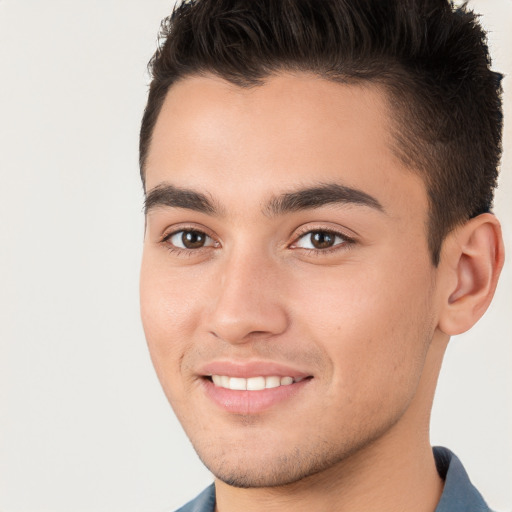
<point>319,178</point>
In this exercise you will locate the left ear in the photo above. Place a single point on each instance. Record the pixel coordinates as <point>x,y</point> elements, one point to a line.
<point>472,257</point>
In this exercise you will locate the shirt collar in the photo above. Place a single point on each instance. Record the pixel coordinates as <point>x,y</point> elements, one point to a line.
<point>459,494</point>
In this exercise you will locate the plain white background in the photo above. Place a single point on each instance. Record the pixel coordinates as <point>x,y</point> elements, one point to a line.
<point>84,425</point>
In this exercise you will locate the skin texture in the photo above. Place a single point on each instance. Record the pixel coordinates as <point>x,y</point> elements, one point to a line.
<point>367,320</point>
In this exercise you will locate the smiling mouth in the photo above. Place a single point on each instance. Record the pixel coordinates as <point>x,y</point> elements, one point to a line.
<point>254,392</point>
<point>253,383</point>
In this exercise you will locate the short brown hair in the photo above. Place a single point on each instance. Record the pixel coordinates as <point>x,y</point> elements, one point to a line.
<point>431,58</point>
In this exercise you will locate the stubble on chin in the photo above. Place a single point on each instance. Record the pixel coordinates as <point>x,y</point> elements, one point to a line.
<point>277,466</point>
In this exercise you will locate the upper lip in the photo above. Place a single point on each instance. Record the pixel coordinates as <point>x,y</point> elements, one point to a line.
<point>249,369</point>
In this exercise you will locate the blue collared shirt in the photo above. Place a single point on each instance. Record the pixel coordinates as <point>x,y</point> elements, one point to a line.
<point>459,494</point>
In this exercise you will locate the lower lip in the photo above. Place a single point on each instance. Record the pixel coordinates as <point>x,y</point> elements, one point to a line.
<point>251,402</point>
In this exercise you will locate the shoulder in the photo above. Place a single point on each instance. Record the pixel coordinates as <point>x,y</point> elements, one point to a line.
<point>204,502</point>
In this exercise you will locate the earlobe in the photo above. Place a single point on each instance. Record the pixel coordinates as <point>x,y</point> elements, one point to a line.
<point>473,258</point>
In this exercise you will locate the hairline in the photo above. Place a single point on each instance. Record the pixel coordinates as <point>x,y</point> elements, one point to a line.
<point>379,81</point>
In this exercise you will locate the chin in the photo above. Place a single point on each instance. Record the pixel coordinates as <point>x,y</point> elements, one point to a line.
<point>276,466</point>
<point>278,473</point>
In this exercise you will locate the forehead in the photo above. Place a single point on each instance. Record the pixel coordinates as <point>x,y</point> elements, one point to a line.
<point>295,129</point>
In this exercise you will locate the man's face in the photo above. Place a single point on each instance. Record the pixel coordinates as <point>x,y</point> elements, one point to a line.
<point>285,243</point>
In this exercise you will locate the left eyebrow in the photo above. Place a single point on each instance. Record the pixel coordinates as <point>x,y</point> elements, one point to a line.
<point>318,196</point>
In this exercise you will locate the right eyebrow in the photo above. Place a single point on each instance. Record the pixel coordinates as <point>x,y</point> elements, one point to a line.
<point>175,197</point>
<point>318,196</point>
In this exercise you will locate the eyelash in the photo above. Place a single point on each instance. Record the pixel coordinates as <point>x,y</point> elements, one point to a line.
<point>180,251</point>
<point>346,244</point>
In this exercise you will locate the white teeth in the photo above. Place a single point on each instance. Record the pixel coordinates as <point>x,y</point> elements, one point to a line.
<point>272,382</point>
<point>252,383</point>
<point>237,383</point>
<point>256,383</point>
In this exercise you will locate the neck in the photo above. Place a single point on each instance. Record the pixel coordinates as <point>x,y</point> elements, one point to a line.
<point>371,480</point>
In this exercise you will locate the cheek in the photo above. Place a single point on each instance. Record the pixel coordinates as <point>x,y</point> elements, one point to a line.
<point>168,312</point>
<point>168,296</point>
<point>372,324</point>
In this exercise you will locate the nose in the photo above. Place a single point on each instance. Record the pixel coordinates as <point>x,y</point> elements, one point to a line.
<point>247,303</point>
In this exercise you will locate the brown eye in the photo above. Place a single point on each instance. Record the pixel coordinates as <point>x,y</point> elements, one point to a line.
<point>322,239</point>
<point>193,239</point>
<point>319,240</point>
<point>190,239</point>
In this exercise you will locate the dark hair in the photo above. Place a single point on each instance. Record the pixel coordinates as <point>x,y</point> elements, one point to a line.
<point>430,57</point>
